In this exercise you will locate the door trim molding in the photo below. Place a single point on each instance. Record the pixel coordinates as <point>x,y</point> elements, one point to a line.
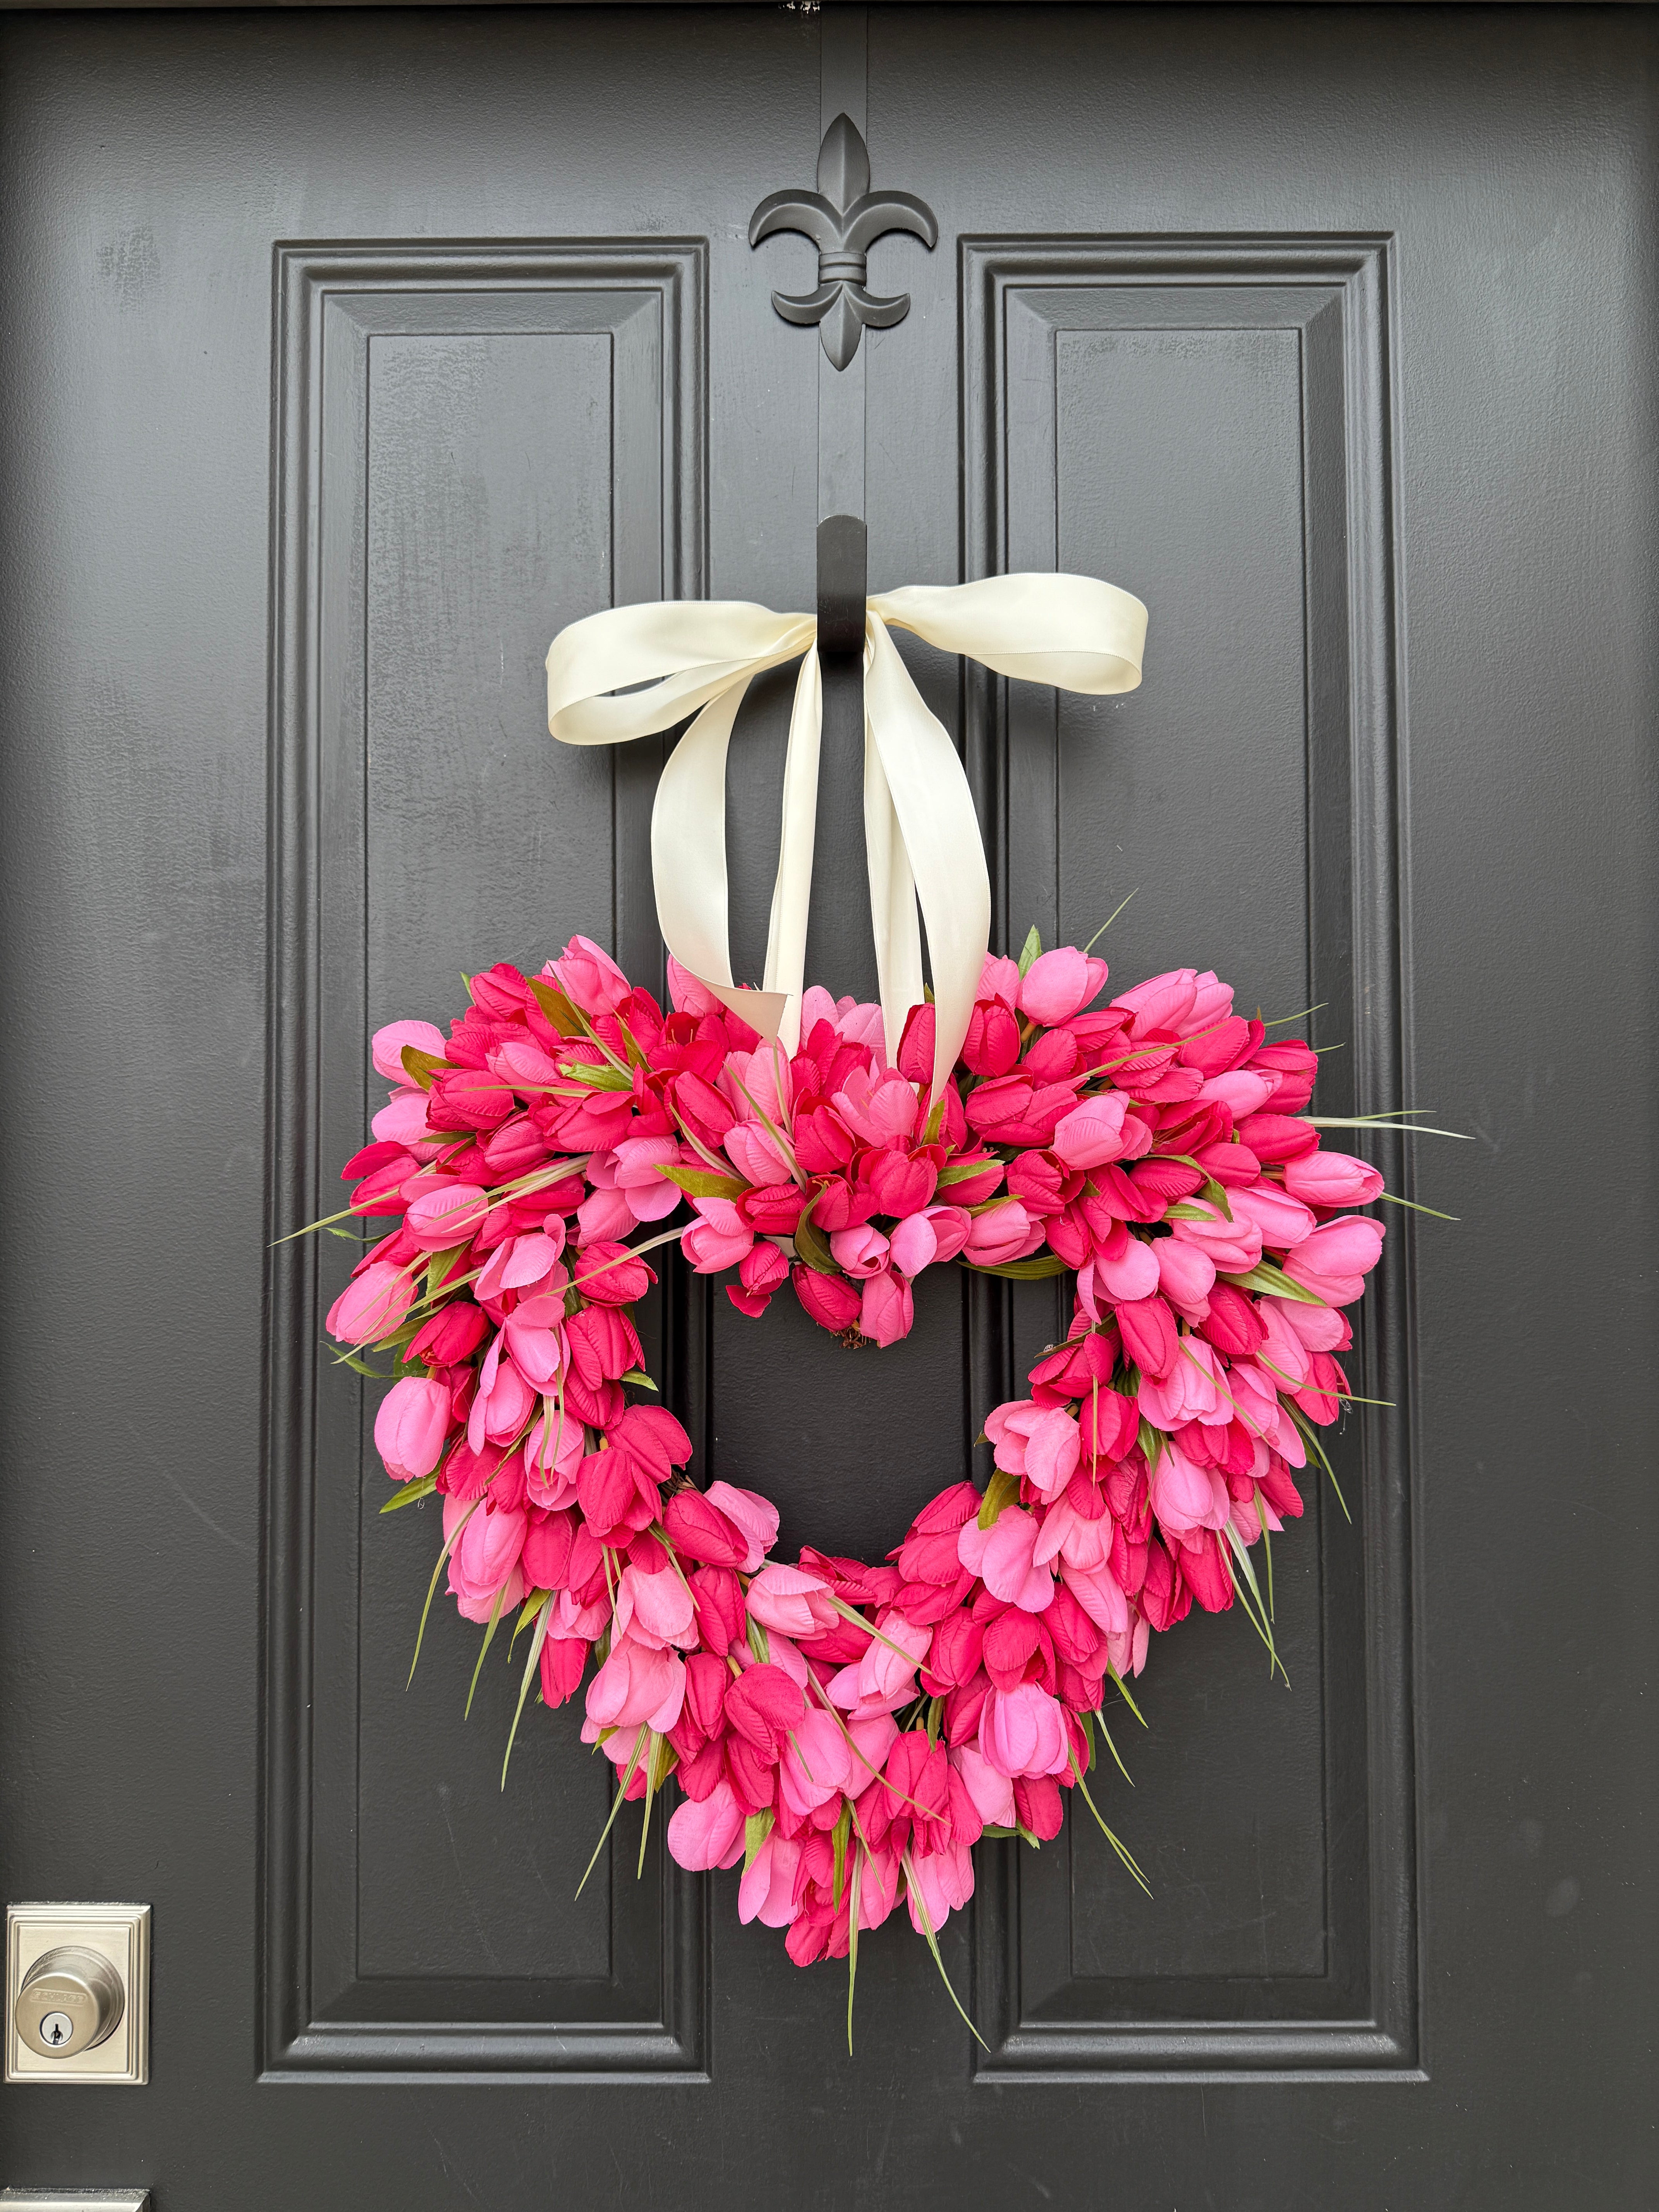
<point>1017,295</point>
<point>318,2017</point>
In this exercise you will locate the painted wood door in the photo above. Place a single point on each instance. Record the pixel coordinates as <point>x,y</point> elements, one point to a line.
<point>348,356</point>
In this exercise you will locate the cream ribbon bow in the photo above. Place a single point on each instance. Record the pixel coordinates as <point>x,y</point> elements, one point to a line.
<point>700,656</point>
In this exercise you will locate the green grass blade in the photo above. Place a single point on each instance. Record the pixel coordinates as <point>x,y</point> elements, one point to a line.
<point>1116,1842</point>
<point>616,1807</point>
<point>489,1637</point>
<point>1124,1693</point>
<point>449,1546</point>
<point>536,1643</point>
<point>914,1889</point>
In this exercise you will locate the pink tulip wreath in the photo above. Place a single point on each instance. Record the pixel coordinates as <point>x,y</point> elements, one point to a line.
<point>849,1731</point>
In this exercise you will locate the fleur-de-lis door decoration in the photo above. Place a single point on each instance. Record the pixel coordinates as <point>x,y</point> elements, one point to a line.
<point>843,219</point>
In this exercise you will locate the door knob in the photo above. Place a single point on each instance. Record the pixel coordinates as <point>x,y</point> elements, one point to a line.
<point>71,2001</point>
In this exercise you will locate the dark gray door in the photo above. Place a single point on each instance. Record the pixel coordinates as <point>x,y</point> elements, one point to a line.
<point>349,355</point>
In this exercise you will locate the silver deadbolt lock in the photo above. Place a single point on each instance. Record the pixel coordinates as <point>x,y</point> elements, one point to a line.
<point>71,2001</point>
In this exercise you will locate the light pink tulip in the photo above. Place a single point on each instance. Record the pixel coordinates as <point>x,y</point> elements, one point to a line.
<point>402,1120</point>
<point>1022,1731</point>
<point>816,1763</point>
<point>993,1793</point>
<point>386,1047</point>
<point>504,1402</point>
<point>534,1334</point>
<point>702,1837</point>
<point>553,1452</point>
<point>859,1252</point>
<point>754,1518</point>
<point>1042,1443</point>
<point>1233,1247</point>
<point>483,1562</point>
<point>1058,984</point>
<point>1186,1274</point>
<point>1330,1179</point>
<point>792,1601</point>
<point>1322,1328</point>
<point>1161,1002</point>
<point>638,1685</point>
<point>655,1609</point>
<point>767,1891</point>
<point>886,1311</point>
<point>1002,1557</point>
<point>884,1676</point>
<point>719,1238</point>
<point>411,1427</point>
<point>606,1217</point>
<point>446,1214</point>
<point>1100,1594</point>
<point>1006,1232</point>
<point>1092,1133</point>
<point>1187,1497</point>
<point>1241,1089</point>
<point>1134,1272</point>
<point>372,1304</point>
<point>754,1154</point>
<point>945,1880</point>
<point>1335,1260</point>
<point>640,1161</point>
<point>880,1109</point>
<point>1284,1222</point>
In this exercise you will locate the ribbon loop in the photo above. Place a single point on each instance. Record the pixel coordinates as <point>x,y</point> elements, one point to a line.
<point>699,656</point>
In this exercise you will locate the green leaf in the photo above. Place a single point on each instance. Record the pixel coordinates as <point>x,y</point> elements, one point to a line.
<point>557,1008</point>
<point>422,1486</point>
<point>489,1637</point>
<point>1121,1848</point>
<point>1031,950</point>
<point>450,1543</point>
<point>440,1265</point>
<point>756,1829</point>
<point>639,1375</point>
<point>851,1950</point>
<point>1272,1282</point>
<point>813,1246</point>
<point>1151,1441</point>
<point>960,1170</point>
<point>530,1664</point>
<point>1181,1211</point>
<point>421,1066</point>
<point>616,1807</point>
<point>839,1836</point>
<point>1216,1194</point>
<point>596,1078</point>
<point>700,1183</point>
<point>930,1135</point>
<point>1001,1491</point>
<point>1019,1271</point>
<point>914,1889</point>
<point>759,1642</point>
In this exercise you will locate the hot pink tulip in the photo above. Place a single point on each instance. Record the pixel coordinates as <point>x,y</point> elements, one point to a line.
<point>411,1427</point>
<point>753,1516</point>
<point>1057,984</point>
<point>830,1299</point>
<point>372,1305</point>
<point>589,977</point>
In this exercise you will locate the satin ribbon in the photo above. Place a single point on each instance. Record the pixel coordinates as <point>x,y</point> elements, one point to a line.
<point>698,657</point>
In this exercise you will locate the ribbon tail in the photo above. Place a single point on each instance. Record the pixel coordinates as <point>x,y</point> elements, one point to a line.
<point>937,830</point>
<point>892,900</point>
<point>786,937</point>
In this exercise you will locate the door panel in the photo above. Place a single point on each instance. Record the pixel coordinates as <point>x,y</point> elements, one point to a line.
<point>349,354</point>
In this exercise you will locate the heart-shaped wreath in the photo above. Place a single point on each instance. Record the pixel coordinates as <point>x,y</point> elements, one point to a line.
<point>849,1731</point>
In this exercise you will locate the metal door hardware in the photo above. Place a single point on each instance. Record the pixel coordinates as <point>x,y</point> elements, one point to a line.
<point>77,1994</point>
<point>74,2200</point>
